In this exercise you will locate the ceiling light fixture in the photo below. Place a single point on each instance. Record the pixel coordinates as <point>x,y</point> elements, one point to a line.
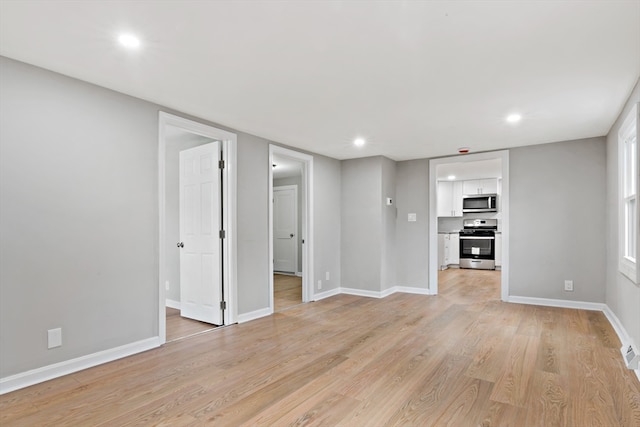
<point>451,177</point>
<point>359,142</point>
<point>514,118</point>
<point>129,41</point>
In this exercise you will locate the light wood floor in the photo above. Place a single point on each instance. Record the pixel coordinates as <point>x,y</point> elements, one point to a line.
<point>181,327</point>
<point>287,291</point>
<point>462,358</point>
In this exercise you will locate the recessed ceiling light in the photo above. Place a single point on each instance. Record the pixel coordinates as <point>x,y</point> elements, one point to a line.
<point>358,142</point>
<point>451,177</point>
<point>129,41</point>
<point>514,118</point>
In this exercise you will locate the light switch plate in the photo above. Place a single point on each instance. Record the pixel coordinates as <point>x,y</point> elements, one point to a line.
<point>412,217</point>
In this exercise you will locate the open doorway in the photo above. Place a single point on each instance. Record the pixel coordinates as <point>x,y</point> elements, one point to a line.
<point>197,228</point>
<point>469,225</point>
<point>291,222</point>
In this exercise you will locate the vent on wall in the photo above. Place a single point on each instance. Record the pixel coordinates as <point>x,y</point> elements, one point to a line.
<point>631,356</point>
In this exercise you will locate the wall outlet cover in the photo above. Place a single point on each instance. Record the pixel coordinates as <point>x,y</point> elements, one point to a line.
<point>54,338</point>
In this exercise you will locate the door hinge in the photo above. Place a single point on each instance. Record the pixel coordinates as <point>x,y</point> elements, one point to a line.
<point>221,164</point>
<point>223,305</point>
<point>222,234</point>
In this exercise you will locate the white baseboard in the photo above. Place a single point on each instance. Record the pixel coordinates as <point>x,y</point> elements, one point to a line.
<point>604,308</point>
<point>299,273</point>
<point>385,293</point>
<point>412,290</point>
<point>246,317</point>
<point>326,294</point>
<point>561,303</point>
<point>620,330</point>
<point>38,375</point>
<point>173,304</point>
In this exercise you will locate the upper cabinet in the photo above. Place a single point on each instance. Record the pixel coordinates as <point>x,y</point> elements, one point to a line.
<point>449,198</point>
<point>480,186</point>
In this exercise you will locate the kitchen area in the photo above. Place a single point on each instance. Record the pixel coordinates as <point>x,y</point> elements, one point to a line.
<point>468,210</point>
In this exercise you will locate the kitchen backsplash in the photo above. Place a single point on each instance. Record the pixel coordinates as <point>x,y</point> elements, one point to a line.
<point>455,223</point>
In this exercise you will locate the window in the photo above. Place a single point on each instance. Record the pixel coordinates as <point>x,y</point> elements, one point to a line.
<point>628,187</point>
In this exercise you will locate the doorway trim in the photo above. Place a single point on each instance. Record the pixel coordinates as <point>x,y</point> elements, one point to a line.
<point>504,217</point>
<point>229,245</point>
<point>306,218</point>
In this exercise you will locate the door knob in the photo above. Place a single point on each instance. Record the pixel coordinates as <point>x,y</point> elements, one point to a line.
<point>180,244</point>
<point>291,235</point>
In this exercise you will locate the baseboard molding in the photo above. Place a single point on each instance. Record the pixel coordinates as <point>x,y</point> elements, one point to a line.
<point>620,330</point>
<point>46,373</point>
<point>299,274</point>
<point>326,294</point>
<point>173,304</point>
<point>561,303</point>
<point>385,293</point>
<point>583,305</point>
<point>246,317</point>
<point>412,290</point>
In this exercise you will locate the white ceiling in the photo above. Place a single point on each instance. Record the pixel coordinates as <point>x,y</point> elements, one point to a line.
<point>415,78</point>
<point>470,170</point>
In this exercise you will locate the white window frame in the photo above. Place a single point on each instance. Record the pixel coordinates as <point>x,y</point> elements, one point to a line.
<point>628,184</point>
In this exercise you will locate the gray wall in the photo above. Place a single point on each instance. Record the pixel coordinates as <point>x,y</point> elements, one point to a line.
<point>412,238</point>
<point>389,217</point>
<point>361,237</point>
<point>557,220</point>
<point>327,178</point>
<point>297,181</point>
<point>79,217</point>
<point>623,297</point>
<point>183,141</point>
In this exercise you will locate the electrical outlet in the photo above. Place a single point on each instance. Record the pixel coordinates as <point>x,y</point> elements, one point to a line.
<point>568,285</point>
<point>54,338</point>
<point>327,276</point>
<point>166,285</point>
<point>319,284</point>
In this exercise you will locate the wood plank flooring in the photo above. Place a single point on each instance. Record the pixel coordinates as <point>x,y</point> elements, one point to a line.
<point>287,291</point>
<point>181,327</point>
<point>462,358</point>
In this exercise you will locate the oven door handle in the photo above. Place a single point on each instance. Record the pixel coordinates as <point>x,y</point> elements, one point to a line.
<point>476,238</point>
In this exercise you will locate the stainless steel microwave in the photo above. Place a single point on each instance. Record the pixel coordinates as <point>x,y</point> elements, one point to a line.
<point>480,203</point>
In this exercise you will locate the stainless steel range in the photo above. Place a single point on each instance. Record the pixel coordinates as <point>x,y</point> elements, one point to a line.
<point>478,244</point>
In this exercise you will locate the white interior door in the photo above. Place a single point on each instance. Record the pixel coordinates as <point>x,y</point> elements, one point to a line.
<point>200,257</point>
<point>285,229</point>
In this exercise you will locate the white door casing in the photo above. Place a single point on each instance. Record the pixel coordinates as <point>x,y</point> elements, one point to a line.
<point>285,229</point>
<point>200,256</point>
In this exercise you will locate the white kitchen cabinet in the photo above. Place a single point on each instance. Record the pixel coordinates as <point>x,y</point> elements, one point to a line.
<point>498,250</point>
<point>454,248</point>
<point>480,186</point>
<point>443,250</point>
<point>449,195</point>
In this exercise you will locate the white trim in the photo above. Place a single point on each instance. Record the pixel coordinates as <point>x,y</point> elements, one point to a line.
<point>627,266</point>
<point>299,273</point>
<point>412,290</point>
<point>173,304</point>
<point>326,294</point>
<point>561,303</point>
<point>503,221</point>
<point>385,293</point>
<point>307,221</point>
<point>229,261</point>
<point>252,315</point>
<point>46,373</point>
